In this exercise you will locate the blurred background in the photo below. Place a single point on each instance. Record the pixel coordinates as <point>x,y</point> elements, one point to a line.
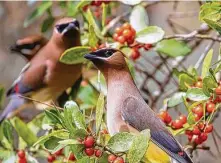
<point>156,84</point>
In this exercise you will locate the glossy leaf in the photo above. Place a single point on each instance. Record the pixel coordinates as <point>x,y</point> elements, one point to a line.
<point>191,118</point>
<point>213,24</point>
<point>8,131</point>
<point>208,84</point>
<point>47,24</point>
<point>78,117</point>
<point>176,99</point>
<point>120,142</point>
<point>52,143</point>
<point>92,37</point>
<point>69,141</point>
<point>85,159</point>
<point>99,111</point>
<point>138,147</point>
<point>185,81</point>
<point>196,94</point>
<point>52,117</point>
<point>68,119</point>
<point>39,11</point>
<point>139,19</point>
<point>24,132</point>
<point>75,55</point>
<point>150,35</point>
<point>173,48</point>
<point>211,11</point>
<point>206,63</point>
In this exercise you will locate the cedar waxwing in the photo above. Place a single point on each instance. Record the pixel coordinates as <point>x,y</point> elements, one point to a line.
<point>29,46</point>
<point>126,109</point>
<point>44,78</point>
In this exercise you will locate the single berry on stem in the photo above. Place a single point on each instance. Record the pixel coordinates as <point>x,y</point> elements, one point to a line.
<point>177,124</point>
<point>209,128</point>
<point>71,157</point>
<point>111,158</point>
<point>21,154</point>
<point>89,151</point>
<point>51,158</point>
<point>98,152</point>
<point>183,119</point>
<point>89,141</point>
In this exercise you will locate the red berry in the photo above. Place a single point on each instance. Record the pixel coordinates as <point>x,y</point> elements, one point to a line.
<point>135,54</point>
<point>168,119</point>
<point>198,110</point>
<point>203,137</point>
<point>21,154</point>
<point>89,141</point>
<point>126,26</point>
<point>89,151</point>
<point>51,158</point>
<point>133,32</point>
<point>163,115</point>
<point>121,39</point>
<point>201,126</point>
<point>98,153</point>
<point>218,90</point>
<point>71,157</point>
<point>118,30</point>
<point>59,152</point>
<point>115,36</point>
<point>119,160</point>
<point>183,119</point>
<point>196,131</point>
<point>177,124</point>
<point>209,128</point>
<point>190,137</point>
<point>197,140</point>
<point>127,33</point>
<point>210,107</point>
<point>197,117</point>
<point>147,46</point>
<point>130,41</point>
<point>111,158</point>
<point>199,84</point>
<point>188,132</point>
<point>22,160</point>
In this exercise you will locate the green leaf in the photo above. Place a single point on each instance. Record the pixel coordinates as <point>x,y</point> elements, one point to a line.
<point>99,111</point>
<point>47,24</point>
<point>8,131</point>
<point>191,118</point>
<point>185,81</point>
<point>208,84</point>
<point>104,14</point>
<point>2,91</point>
<point>196,94</point>
<point>78,117</point>
<point>213,24</point>
<point>52,143</point>
<point>139,147</point>
<point>176,99</point>
<point>39,11</point>
<point>53,117</point>
<point>206,63</point>
<point>68,119</point>
<point>92,37</point>
<point>131,2</point>
<point>150,35</point>
<point>85,159</point>
<point>211,11</point>
<point>78,133</point>
<point>173,48</point>
<point>69,141</point>
<point>62,134</point>
<point>24,132</point>
<point>77,149</point>
<point>90,18</point>
<point>120,142</point>
<point>75,55</point>
<point>138,18</point>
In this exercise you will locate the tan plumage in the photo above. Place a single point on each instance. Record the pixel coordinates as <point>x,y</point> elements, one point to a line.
<point>126,109</point>
<point>45,78</point>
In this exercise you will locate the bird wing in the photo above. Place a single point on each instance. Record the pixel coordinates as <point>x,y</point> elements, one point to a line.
<point>139,115</point>
<point>24,85</point>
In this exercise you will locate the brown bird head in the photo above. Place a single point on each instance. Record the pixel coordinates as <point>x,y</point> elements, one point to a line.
<point>29,46</point>
<point>107,58</point>
<point>66,32</point>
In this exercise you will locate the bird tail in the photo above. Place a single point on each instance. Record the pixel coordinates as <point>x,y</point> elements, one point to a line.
<point>14,103</point>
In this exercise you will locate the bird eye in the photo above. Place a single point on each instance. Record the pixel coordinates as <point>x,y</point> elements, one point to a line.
<point>108,53</point>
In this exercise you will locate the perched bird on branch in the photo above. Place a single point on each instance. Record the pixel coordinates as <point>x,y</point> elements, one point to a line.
<point>126,109</point>
<point>29,46</point>
<point>44,78</point>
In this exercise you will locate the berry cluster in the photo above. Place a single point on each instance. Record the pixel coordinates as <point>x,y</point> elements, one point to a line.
<point>200,132</point>
<point>114,159</point>
<point>21,156</point>
<point>124,34</point>
<point>99,2</point>
<point>59,153</point>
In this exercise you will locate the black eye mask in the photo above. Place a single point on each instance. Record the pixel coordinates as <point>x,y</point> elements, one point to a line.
<point>105,53</point>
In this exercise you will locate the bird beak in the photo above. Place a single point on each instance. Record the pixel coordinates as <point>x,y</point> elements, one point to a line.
<point>66,28</point>
<point>92,56</point>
